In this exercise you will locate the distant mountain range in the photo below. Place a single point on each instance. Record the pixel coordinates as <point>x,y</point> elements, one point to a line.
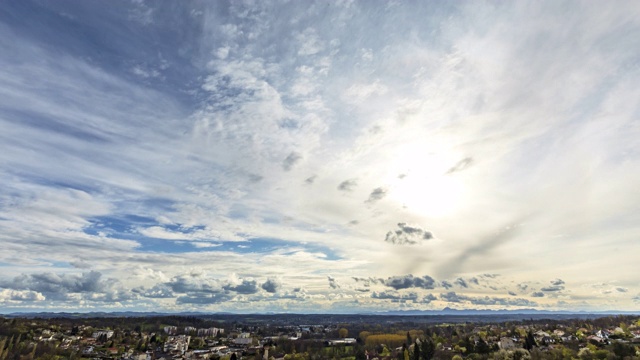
<point>520,313</point>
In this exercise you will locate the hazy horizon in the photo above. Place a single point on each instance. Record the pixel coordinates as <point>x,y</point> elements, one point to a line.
<point>345,156</point>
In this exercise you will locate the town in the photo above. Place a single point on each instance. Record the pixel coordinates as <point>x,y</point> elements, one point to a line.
<point>277,337</point>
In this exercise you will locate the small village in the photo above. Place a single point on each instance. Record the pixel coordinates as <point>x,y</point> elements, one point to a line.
<point>614,337</point>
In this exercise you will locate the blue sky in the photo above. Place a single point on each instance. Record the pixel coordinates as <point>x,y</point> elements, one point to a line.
<point>305,156</point>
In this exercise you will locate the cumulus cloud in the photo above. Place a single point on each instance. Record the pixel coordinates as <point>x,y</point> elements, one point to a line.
<point>409,281</point>
<point>407,235</point>
<point>348,185</point>
<point>9,295</point>
<point>537,294</point>
<point>377,194</point>
<point>291,160</point>
<point>271,285</point>
<point>54,286</point>
<point>245,287</point>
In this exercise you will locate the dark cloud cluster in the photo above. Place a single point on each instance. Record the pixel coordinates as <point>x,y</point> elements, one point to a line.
<point>196,288</point>
<point>407,235</point>
<point>409,281</point>
<point>90,285</point>
<point>537,294</point>
<point>246,287</point>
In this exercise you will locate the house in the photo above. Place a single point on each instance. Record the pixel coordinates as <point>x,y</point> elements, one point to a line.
<point>105,334</point>
<point>178,344</point>
<point>507,343</point>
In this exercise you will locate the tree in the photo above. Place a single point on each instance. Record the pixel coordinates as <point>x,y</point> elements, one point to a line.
<point>529,341</point>
<point>343,333</point>
<point>416,351</point>
<point>428,348</point>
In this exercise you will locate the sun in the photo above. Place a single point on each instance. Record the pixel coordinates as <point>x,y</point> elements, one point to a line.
<point>427,189</point>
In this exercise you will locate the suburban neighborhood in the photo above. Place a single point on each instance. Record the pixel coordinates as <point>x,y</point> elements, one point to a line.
<point>176,337</point>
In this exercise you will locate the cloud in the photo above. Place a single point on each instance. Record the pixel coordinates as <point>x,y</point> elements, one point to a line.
<point>450,297</point>
<point>377,194</point>
<point>271,285</point>
<point>461,282</point>
<point>407,235</point>
<point>367,281</point>
<point>89,285</point>
<point>245,287</point>
<point>537,294</point>
<point>195,136</point>
<point>556,285</point>
<point>80,264</point>
<point>409,281</point>
<point>158,291</point>
<point>8,295</point>
<point>486,300</point>
<point>397,297</point>
<point>194,282</point>
<point>333,283</point>
<point>291,160</point>
<point>347,185</point>
<point>445,284</point>
<point>205,299</point>
<point>461,165</point>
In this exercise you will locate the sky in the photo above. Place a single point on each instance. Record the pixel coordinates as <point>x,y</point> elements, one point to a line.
<point>319,157</point>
